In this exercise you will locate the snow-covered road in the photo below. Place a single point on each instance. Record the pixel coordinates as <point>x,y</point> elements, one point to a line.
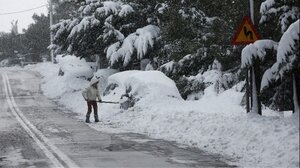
<point>36,132</point>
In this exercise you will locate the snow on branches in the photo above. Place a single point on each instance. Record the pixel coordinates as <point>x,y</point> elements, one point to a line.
<point>289,43</point>
<point>114,8</point>
<point>140,41</point>
<point>98,25</point>
<point>286,12</point>
<point>287,55</point>
<point>257,50</point>
<point>85,24</point>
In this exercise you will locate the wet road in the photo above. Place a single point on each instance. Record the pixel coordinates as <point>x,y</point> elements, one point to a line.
<point>36,132</point>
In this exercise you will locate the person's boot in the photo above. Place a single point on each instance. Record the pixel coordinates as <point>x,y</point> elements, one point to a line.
<point>87,120</point>
<point>96,118</point>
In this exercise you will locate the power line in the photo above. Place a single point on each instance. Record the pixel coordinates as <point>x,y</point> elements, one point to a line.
<point>23,10</point>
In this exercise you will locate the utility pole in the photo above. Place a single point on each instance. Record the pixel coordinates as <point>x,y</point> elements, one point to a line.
<point>51,23</point>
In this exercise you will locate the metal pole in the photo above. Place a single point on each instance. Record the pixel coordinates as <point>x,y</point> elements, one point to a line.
<point>251,5</point>
<point>249,91</point>
<point>51,36</point>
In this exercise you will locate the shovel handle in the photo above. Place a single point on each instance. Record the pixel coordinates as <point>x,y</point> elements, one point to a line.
<point>108,102</point>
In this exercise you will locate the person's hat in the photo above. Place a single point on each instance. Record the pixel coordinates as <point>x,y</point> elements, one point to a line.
<point>93,81</point>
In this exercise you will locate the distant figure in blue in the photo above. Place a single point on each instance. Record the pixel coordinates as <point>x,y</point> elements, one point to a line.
<point>91,94</point>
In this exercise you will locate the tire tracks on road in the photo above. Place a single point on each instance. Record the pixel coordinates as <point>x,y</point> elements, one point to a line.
<point>57,157</point>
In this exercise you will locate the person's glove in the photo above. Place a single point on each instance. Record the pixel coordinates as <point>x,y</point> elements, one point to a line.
<point>100,100</point>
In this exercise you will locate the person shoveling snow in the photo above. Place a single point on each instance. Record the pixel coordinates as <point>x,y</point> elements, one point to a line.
<point>91,94</point>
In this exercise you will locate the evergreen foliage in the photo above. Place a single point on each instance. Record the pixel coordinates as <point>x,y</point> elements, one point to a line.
<point>36,37</point>
<point>185,39</point>
<point>281,14</point>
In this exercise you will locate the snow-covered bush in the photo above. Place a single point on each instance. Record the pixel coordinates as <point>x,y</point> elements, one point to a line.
<point>192,87</point>
<point>225,82</point>
<point>4,63</point>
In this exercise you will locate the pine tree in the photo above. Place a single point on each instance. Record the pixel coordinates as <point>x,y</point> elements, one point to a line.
<point>36,37</point>
<point>287,63</point>
<point>281,14</point>
<point>101,25</point>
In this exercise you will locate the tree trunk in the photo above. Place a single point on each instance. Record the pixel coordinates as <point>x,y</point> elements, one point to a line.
<point>254,94</point>
<point>257,72</point>
<point>255,89</point>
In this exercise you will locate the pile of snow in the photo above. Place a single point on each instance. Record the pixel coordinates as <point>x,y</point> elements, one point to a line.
<point>102,75</point>
<point>74,67</point>
<point>145,84</point>
<point>65,89</point>
<point>215,123</point>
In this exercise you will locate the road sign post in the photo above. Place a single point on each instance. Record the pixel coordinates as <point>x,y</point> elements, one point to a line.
<point>247,34</point>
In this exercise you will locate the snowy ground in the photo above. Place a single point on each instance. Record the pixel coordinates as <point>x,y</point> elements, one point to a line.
<point>215,123</point>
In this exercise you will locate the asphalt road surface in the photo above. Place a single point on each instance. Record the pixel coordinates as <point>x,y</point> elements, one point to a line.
<point>36,132</point>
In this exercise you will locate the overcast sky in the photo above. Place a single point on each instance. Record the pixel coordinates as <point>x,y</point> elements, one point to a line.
<point>24,18</point>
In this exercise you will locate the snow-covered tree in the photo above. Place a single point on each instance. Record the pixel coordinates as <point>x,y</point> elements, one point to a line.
<point>285,11</point>
<point>276,17</point>
<point>36,37</point>
<point>140,42</point>
<point>104,24</point>
<point>252,56</point>
<point>65,9</point>
<point>287,62</point>
<point>279,14</point>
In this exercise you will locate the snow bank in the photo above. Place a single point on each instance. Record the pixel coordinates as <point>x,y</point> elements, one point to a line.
<point>74,67</point>
<point>145,84</point>
<point>102,75</point>
<point>215,123</point>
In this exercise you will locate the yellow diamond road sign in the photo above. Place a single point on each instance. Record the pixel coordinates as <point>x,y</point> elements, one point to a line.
<point>246,33</point>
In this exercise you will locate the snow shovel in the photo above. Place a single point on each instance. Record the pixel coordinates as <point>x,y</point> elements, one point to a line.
<point>108,102</point>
